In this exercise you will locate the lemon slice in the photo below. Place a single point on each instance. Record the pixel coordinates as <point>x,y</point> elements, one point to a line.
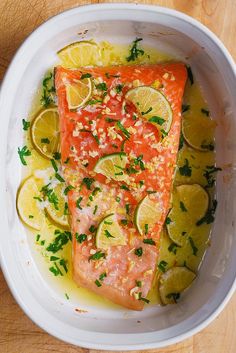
<point>78,93</point>
<point>190,203</point>
<point>196,132</point>
<point>147,213</point>
<point>59,216</point>
<point>152,105</point>
<point>173,282</point>
<point>45,132</point>
<point>28,207</point>
<point>109,233</point>
<point>80,54</point>
<point>112,166</point>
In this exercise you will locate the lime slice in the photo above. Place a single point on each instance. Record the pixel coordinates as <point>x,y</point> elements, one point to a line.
<point>45,132</point>
<point>112,166</point>
<point>80,54</point>
<point>152,105</point>
<point>78,93</point>
<point>109,233</point>
<point>146,215</point>
<point>189,204</point>
<point>28,207</point>
<point>199,132</point>
<point>173,282</point>
<point>60,216</point>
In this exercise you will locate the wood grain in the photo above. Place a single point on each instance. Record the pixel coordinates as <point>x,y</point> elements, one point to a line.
<point>18,18</point>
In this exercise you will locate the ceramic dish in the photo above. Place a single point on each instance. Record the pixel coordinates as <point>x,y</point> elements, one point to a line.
<point>101,328</point>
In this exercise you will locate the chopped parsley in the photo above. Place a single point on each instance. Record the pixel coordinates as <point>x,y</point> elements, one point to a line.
<point>185,107</point>
<point>95,209</point>
<point>108,234</point>
<point>145,300</point>
<point>162,266</point>
<point>148,111</point>
<point>78,202</point>
<point>47,97</point>
<point>108,75</point>
<point>102,86</point>
<point>173,248</point>
<point>145,228</point>
<point>54,258</point>
<point>208,146</point>
<point>209,175</point>
<point>80,237</point>
<point>181,141</point>
<point>66,161</point>
<point>117,199</point>
<point>45,140</point>
<point>190,75</point>
<point>66,209</point>
<point>98,284</point>
<point>124,222</point>
<point>135,51</point>
<point>185,170</point>
<point>23,152</point>
<point>54,165</point>
<point>124,187</point>
<point>168,220</point>
<point>156,120</point>
<point>182,207</point>
<point>209,216</point>
<point>92,229</point>
<point>57,156</point>
<point>205,111</point>
<point>63,263</point>
<point>127,208</point>
<point>139,252</point>
<point>86,75</point>
<point>88,182</point>
<point>123,129</point>
<point>138,284</point>
<point>139,161</point>
<point>97,256</point>
<point>110,120</point>
<point>102,276</point>
<point>38,237</point>
<point>59,241</point>
<point>174,296</point>
<point>193,246</point>
<point>67,296</point>
<point>59,177</point>
<point>149,241</point>
<point>55,270</point>
<point>37,198</point>
<point>26,124</point>
<point>164,133</point>
<point>31,216</point>
<point>119,88</point>
<point>51,196</point>
<point>67,189</point>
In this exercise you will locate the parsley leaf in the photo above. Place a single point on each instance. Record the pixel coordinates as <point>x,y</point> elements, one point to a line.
<point>135,52</point>
<point>182,207</point>
<point>26,124</point>
<point>88,182</point>
<point>162,266</point>
<point>209,216</point>
<point>60,240</point>
<point>97,256</point>
<point>193,246</point>
<point>80,237</point>
<point>185,170</point>
<point>156,120</point>
<point>23,152</point>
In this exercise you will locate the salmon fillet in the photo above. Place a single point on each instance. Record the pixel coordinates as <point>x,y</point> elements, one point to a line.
<point>90,133</point>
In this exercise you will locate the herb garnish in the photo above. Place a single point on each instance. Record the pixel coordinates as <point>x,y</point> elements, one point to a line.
<point>124,187</point>
<point>51,196</point>
<point>23,152</point>
<point>108,75</point>
<point>48,91</point>
<point>208,146</point>
<point>193,246</point>
<point>59,177</point>
<point>149,241</point>
<point>108,234</point>
<point>143,299</point>
<point>148,111</point>
<point>138,284</point>
<point>124,222</point>
<point>123,129</point>
<point>156,120</point>
<point>139,252</point>
<point>168,220</point>
<point>78,202</point>
<point>66,209</point>
<point>57,156</point>
<point>119,88</point>
<point>146,228</point>
<point>175,296</point>
<point>80,237</point>
<point>92,229</point>
<point>98,284</point>
<point>26,124</point>
<point>135,52</point>
<point>181,141</point>
<point>97,256</point>
<point>173,248</point>
<point>55,270</point>
<point>182,207</point>
<point>190,75</point>
<point>127,208</point>
<point>205,111</point>
<point>68,188</point>
<point>54,165</point>
<point>185,170</point>
<point>139,161</point>
<point>102,86</point>
<point>87,75</point>
<point>45,140</point>
<point>102,276</point>
<point>60,240</point>
<point>95,209</point>
<point>110,120</point>
<point>162,266</point>
<point>185,108</point>
<point>209,175</point>
<point>209,217</point>
<point>88,182</point>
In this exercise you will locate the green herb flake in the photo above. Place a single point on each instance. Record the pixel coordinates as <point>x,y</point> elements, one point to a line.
<point>55,270</point>
<point>181,141</point>
<point>110,120</point>
<point>135,51</point>
<point>38,198</point>
<point>209,174</point>
<point>26,124</point>
<point>67,189</point>
<point>45,140</point>
<point>185,170</point>
<point>23,152</point>
<point>124,222</point>
<point>78,203</point>
<point>31,216</point>
<point>98,284</point>
<point>164,133</point>
<point>117,199</point>
<point>209,216</point>
<point>157,120</point>
<point>119,88</point>
<point>95,209</point>
<point>208,146</point>
<point>97,256</point>
<point>123,129</point>
<point>59,177</point>
<point>38,237</point>
<point>92,229</point>
<point>59,241</point>
<point>57,156</point>
<point>54,258</point>
<point>108,234</point>
<point>67,296</point>
<point>190,75</point>
<point>102,86</point>
<point>193,246</point>
<point>185,108</point>
<point>138,284</point>
<point>174,296</point>
<point>127,208</point>
<point>88,182</point>
<point>51,196</point>
<point>102,276</point>
<point>139,252</point>
<point>145,300</point>
<point>145,229</point>
<point>86,75</point>
<point>168,220</point>
<point>47,97</point>
<point>67,160</point>
<point>80,237</point>
<point>173,248</point>
<point>54,165</point>
<point>149,241</point>
<point>124,187</point>
<point>147,111</point>
<point>162,266</point>
<point>63,263</point>
<point>205,111</point>
<point>182,207</point>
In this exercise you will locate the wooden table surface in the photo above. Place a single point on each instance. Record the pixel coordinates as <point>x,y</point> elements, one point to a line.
<point>18,18</point>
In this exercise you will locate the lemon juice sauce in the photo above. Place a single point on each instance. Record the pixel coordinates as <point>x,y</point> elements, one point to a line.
<point>195,166</point>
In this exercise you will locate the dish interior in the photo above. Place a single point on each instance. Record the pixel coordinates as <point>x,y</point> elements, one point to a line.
<point>216,274</point>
